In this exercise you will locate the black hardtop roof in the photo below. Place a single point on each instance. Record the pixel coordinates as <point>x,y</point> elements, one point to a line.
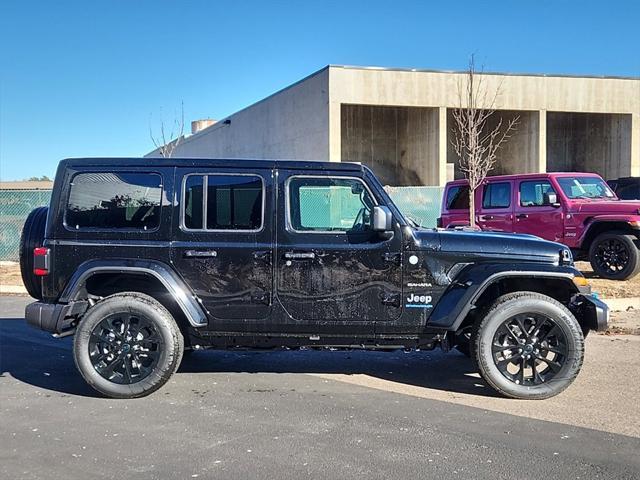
<point>210,162</point>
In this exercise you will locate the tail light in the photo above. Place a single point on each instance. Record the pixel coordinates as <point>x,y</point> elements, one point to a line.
<point>41,261</point>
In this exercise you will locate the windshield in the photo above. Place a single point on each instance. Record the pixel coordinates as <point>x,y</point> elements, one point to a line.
<point>585,187</point>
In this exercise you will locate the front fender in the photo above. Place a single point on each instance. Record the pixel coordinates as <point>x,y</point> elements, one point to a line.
<point>472,281</point>
<point>167,276</point>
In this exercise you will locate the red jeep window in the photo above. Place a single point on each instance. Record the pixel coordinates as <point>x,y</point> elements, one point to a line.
<point>532,193</point>
<point>497,195</point>
<point>458,198</point>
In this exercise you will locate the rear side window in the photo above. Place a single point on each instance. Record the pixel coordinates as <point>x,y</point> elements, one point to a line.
<point>458,198</point>
<point>532,193</point>
<point>223,202</point>
<point>628,192</point>
<point>114,200</point>
<point>496,195</point>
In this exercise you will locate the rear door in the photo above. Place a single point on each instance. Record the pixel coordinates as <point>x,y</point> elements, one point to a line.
<point>532,216</point>
<point>223,244</point>
<point>496,209</point>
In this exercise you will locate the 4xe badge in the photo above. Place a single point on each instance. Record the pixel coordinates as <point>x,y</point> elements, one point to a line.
<point>419,301</point>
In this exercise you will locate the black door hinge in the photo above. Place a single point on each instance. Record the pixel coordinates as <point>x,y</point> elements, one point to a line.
<point>393,257</point>
<point>391,299</point>
<point>261,297</point>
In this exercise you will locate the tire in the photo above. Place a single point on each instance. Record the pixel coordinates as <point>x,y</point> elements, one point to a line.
<point>615,256</point>
<point>32,237</point>
<point>117,365</point>
<point>549,331</point>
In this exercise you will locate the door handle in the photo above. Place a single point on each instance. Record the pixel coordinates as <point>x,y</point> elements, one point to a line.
<point>299,255</point>
<point>522,215</point>
<point>200,253</point>
<point>486,217</point>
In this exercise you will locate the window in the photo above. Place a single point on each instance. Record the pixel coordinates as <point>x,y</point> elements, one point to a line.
<point>329,204</point>
<point>628,192</point>
<point>585,187</point>
<point>225,202</point>
<point>496,195</point>
<point>114,200</point>
<point>532,193</point>
<point>458,198</point>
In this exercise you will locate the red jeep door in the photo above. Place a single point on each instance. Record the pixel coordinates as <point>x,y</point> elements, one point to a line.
<point>496,211</point>
<point>533,216</point>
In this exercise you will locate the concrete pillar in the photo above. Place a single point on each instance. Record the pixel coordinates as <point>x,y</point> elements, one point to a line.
<point>443,139</point>
<point>635,145</point>
<point>335,132</point>
<point>542,142</point>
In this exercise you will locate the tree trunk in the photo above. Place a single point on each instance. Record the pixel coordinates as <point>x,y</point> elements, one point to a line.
<point>472,208</point>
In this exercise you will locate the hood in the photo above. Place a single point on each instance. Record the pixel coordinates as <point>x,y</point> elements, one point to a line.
<point>614,207</point>
<point>513,246</point>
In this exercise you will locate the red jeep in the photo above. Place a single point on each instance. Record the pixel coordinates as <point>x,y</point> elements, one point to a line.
<point>577,209</point>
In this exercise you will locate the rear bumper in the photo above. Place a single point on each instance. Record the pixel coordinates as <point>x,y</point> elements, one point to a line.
<point>54,317</point>
<point>592,312</point>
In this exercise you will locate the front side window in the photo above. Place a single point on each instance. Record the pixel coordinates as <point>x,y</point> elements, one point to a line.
<point>223,202</point>
<point>532,193</point>
<point>496,195</point>
<point>114,200</point>
<point>585,187</point>
<point>458,198</point>
<point>329,204</point>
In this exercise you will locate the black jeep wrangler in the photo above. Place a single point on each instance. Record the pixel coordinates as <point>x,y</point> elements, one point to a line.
<point>146,259</point>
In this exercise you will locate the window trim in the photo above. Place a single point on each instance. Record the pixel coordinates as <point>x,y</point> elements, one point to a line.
<point>541,180</point>
<point>491,184</point>
<point>205,200</point>
<point>287,202</point>
<point>112,229</point>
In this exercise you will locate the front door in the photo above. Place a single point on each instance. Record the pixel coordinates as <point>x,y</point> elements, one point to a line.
<point>533,216</point>
<point>334,273</point>
<point>223,246</point>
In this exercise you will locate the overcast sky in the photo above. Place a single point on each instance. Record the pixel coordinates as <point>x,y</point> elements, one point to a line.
<point>87,78</point>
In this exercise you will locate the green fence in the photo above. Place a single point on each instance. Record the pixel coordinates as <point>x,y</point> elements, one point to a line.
<point>422,204</point>
<point>15,205</point>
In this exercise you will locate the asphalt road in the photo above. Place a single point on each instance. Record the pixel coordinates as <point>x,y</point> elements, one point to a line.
<point>300,414</point>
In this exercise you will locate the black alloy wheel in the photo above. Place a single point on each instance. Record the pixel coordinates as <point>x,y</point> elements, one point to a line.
<point>529,349</point>
<point>612,255</point>
<point>125,348</point>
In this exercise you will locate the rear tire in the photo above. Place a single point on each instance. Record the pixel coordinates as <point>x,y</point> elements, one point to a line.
<point>127,346</point>
<point>32,237</point>
<point>615,256</point>
<point>528,346</point>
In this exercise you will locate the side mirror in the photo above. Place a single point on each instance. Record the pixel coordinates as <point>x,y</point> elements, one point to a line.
<point>382,219</point>
<point>551,198</point>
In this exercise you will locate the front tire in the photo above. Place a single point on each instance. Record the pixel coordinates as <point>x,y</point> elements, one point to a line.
<point>528,346</point>
<point>127,346</point>
<point>615,256</point>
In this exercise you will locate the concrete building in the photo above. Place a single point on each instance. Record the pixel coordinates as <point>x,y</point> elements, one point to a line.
<point>399,122</point>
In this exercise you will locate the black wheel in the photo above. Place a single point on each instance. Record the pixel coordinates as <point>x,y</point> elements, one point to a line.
<point>615,256</point>
<point>127,346</point>
<point>32,237</point>
<point>528,346</point>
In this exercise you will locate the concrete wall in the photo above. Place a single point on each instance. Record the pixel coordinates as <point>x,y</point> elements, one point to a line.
<point>518,154</point>
<point>530,96</point>
<point>291,124</point>
<point>599,143</point>
<point>400,144</point>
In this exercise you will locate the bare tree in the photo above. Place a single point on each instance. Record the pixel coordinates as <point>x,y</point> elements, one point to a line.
<point>474,141</point>
<point>167,143</point>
